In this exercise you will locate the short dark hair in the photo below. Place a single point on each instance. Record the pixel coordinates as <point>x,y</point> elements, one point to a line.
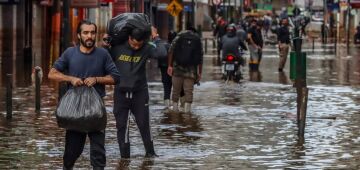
<point>171,36</point>
<point>190,27</point>
<point>85,22</point>
<point>138,34</point>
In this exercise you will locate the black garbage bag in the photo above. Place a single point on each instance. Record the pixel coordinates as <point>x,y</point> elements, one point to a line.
<point>121,26</point>
<point>81,109</point>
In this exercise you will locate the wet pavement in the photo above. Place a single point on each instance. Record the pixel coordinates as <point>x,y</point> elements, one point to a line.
<point>250,125</point>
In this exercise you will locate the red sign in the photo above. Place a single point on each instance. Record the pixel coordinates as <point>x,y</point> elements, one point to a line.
<point>85,3</point>
<point>355,3</point>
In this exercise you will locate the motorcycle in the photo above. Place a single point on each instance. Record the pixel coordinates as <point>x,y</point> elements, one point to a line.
<point>231,68</point>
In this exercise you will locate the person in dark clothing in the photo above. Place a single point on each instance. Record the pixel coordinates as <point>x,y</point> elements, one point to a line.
<point>91,66</point>
<point>184,76</point>
<point>230,43</point>
<point>131,95</point>
<point>357,34</point>
<point>283,42</point>
<point>220,31</point>
<point>165,78</point>
<point>255,42</point>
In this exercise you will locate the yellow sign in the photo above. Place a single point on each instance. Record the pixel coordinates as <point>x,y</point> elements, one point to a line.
<point>174,8</point>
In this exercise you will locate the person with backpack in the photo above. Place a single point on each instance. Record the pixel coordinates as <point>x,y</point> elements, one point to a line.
<point>131,95</point>
<point>185,65</point>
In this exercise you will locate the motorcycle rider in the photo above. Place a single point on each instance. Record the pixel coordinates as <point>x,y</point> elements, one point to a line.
<point>230,43</point>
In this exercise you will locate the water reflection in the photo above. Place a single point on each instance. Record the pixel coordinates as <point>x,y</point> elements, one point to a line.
<point>344,70</point>
<point>297,153</point>
<point>181,126</point>
<point>123,164</point>
<point>255,76</point>
<point>126,164</point>
<point>283,79</point>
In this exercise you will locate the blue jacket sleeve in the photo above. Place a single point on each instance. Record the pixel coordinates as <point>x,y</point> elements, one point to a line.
<point>158,49</point>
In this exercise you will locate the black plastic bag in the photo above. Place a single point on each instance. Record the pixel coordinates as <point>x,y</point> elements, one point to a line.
<point>81,109</point>
<point>121,26</point>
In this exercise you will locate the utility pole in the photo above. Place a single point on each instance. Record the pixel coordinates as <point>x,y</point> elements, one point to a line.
<point>324,30</point>
<point>348,27</point>
<point>241,8</point>
<point>300,79</point>
<point>65,26</point>
<point>28,39</point>
<point>228,11</point>
<point>193,13</point>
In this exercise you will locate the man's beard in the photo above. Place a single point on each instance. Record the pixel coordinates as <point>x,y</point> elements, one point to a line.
<point>87,43</point>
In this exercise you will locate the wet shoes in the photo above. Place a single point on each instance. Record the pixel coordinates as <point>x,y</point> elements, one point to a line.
<point>125,150</point>
<point>150,152</point>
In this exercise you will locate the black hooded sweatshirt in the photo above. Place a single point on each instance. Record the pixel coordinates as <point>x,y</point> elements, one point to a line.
<point>131,63</point>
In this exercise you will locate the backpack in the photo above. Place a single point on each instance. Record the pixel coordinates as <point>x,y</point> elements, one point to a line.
<point>188,50</point>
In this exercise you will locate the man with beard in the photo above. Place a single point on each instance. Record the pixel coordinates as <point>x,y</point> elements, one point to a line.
<point>85,65</point>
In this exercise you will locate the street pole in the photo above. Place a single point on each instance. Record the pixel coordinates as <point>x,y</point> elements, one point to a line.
<point>27,51</point>
<point>193,13</point>
<point>65,26</point>
<point>228,11</point>
<point>300,82</point>
<point>324,39</point>
<point>348,28</point>
<point>240,10</point>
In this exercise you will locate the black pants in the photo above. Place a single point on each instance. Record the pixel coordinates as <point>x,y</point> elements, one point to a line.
<point>74,145</point>
<point>167,82</point>
<point>138,104</point>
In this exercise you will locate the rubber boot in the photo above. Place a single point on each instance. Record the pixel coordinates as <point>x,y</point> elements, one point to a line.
<point>182,104</point>
<point>167,103</point>
<point>187,108</point>
<point>68,168</point>
<point>175,107</point>
<point>125,150</point>
<point>150,152</point>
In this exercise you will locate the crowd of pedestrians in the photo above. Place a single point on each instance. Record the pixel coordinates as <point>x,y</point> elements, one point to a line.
<point>258,31</point>
<point>180,60</point>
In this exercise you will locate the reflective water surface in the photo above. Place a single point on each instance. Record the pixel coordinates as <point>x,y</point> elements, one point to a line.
<point>251,125</point>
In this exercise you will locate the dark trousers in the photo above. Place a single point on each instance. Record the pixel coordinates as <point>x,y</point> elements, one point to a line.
<point>167,82</point>
<point>138,104</point>
<point>74,145</point>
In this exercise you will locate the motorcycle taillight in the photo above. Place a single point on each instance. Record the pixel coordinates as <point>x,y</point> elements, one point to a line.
<point>229,58</point>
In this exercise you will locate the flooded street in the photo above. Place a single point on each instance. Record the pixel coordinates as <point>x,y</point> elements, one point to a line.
<point>250,125</point>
